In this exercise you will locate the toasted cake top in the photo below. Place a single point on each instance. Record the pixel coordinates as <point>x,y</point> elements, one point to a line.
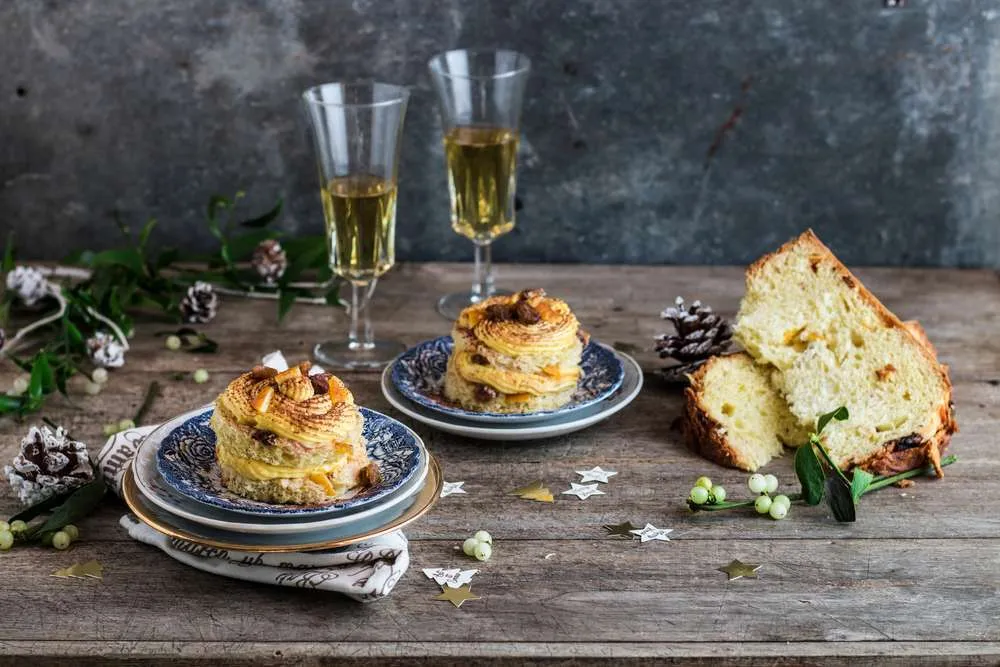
<point>316,409</point>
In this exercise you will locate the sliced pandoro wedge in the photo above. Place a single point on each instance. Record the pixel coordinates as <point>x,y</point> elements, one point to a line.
<point>736,417</point>
<point>827,341</point>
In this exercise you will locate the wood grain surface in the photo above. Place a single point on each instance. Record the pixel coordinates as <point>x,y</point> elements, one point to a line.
<point>914,581</point>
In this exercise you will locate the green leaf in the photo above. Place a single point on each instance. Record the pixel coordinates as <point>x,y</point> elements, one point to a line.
<point>810,474</point>
<point>80,503</point>
<point>840,414</point>
<point>75,337</point>
<point>267,218</point>
<point>41,376</point>
<point>144,235</point>
<point>127,258</point>
<point>838,496</point>
<point>42,507</point>
<point>286,300</point>
<point>860,481</point>
<point>10,404</point>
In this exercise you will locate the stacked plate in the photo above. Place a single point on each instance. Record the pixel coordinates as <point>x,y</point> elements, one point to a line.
<point>413,384</point>
<point>174,486</point>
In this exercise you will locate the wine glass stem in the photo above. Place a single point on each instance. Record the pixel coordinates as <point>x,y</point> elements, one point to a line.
<point>483,288</point>
<point>361,296</point>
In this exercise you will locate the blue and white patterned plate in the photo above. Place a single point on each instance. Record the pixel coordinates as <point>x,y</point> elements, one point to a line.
<point>418,374</point>
<point>186,460</point>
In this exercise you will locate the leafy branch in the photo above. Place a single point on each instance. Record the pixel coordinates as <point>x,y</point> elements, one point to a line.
<point>825,479</point>
<point>112,285</point>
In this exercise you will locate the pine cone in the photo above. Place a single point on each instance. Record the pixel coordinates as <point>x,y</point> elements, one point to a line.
<point>269,260</point>
<point>701,334</point>
<point>29,284</point>
<point>48,464</point>
<point>200,304</point>
<point>105,350</point>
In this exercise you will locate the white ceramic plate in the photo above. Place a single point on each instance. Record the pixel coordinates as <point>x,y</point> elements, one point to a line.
<point>328,538</point>
<point>548,428</point>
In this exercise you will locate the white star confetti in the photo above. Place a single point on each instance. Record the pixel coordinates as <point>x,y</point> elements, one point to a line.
<point>650,532</point>
<point>583,491</point>
<point>451,578</point>
<point>452,487</point>
<point>596,474</point>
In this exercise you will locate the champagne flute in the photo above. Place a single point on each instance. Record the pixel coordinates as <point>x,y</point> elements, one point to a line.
<point>356,129</point>
<point>480,93</point>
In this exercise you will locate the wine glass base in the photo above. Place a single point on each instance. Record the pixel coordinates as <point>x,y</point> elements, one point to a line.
<point>345,356</point>
<point>452,305</point>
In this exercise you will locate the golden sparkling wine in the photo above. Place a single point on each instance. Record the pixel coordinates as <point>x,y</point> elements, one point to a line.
<point>360,214</point>
<point>482,165</point>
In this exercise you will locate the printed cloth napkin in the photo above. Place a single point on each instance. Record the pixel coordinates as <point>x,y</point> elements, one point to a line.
<point>366,571</point>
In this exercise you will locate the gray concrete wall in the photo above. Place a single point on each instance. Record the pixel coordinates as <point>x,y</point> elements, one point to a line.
<point>879,127</point>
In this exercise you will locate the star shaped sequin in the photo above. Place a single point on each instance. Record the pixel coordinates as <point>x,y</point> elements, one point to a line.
<point>623,529</point>
<point>534,491</point>
<point>457,596</point>
<point>650,532</point>
<point>583,491</point>
<point>448,488</point>
<point>738,570</point>
<point>450,577</point>
<point>91,569</point>
<point>596,474</point>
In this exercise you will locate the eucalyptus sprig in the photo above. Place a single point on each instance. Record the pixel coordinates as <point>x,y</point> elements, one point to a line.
<point>819,480</point>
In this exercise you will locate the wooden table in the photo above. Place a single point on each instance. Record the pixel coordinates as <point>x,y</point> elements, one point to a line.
<point>914,581</point>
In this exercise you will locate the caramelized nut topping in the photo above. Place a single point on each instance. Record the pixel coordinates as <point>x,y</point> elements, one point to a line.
<point>264,437</point>
<point>369,476</point>
<point>263,399</point>
<point>499,312</point>
<point>260,373</point>
<point>485,393</point>
<point>526,314</point>
<point>320,382</point>
<point>292,372</point>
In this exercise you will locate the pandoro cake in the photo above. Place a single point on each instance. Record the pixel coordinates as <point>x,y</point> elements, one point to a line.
<point>290,437</point>
<point>515,354</point>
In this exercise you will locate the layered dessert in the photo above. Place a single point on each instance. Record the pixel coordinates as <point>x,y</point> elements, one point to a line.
<point>290,437</point>
<point>515,354</point>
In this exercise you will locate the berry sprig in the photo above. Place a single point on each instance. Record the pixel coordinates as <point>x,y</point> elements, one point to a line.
<point>842,493</point>
<point>479,546</point>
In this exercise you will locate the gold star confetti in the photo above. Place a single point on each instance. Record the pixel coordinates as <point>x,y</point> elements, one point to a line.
<point>738,570</point>
<point>91,569</point>
<point>623,529</point>
<point>534,491</point>
<point>457,596</point>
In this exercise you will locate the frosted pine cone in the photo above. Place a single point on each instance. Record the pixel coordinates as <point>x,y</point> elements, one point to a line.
<point>700,334</point>
<point>48,464</point>
<point>200,303</point>
<point>105,350</point>
<point>269,260</point>
<point>29,284</point>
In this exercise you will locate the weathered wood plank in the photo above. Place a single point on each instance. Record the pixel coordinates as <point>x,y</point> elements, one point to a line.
<point>921,564</point>
<point>745,654</point>
<point>655,472</point>
<point>586,591</point>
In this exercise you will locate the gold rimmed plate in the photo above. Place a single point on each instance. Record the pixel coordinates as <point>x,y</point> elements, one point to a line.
<point>352,533</point>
